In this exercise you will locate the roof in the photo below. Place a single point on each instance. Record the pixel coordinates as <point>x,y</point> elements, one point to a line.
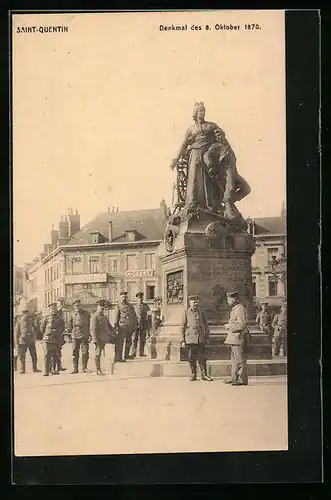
<point>269,225</point>
<point>149,224</point>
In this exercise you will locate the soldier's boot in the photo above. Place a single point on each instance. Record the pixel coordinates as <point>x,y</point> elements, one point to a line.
<point>193,367</point>
<point>98,366</point>
<point>35,369</point>
<point>15,363</point>
<point>22,366</point>
<point>204,375</point>
<point>84,364</point>
<point>75,366</point>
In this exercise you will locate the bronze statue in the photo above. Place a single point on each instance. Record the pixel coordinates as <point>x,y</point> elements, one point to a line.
<point>207,175</point>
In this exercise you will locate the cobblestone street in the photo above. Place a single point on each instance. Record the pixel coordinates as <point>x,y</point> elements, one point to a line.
<point>85,414</point>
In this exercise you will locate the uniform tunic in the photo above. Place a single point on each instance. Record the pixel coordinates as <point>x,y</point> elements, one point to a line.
<point>25,338</point>
<point>126,321</point>
<point>238,337</point>
<point>195,332</point>
<point>79,324</point>
<point>52,327</point>
<point>263,320</point>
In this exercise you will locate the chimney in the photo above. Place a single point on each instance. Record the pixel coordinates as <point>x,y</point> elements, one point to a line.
<point>63,228</point>
<point>110,230</point>
<point>54,236</point>
<point>113,209</point>
<point>74,223</point>
<point>108,210</point>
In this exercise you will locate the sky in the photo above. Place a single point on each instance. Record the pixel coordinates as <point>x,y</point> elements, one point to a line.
<point>99,112</point>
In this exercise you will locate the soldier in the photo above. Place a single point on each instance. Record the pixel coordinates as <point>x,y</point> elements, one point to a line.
<point>238,337</point>
<point>142,310</point>
<point>52,328</point>
<point>79,327</point>
<point>279,325</point>
<point>195,335</point>
<point>125,324</point>
<point>56,360</point>
<point>263,319</point>
<point>25,338</point>
<point>101,330</point>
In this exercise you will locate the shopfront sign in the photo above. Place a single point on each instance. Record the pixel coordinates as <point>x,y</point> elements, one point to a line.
<point>139,273</point>
<point>73,279</point>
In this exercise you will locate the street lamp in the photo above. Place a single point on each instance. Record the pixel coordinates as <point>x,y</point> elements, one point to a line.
<point>278,270</point>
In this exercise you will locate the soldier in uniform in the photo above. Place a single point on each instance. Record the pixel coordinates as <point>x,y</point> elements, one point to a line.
<point>56,360</point>
<point>25,338</point>
<point>279,325</point>
<point>101,330</point>
<point>263,319</point>
<point>52,328</point>
<point>125,324</point>
<point>195,335</point>
<point>79,327</point>
<point>238,337</point>
<point>142,309</point>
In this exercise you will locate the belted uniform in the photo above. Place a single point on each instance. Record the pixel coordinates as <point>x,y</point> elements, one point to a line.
<point>52,327</point>
<point>263,320</point>
<point>100,330</point>
<point>238,338</point>
<point>195,332</point>
<point>25,338</point>
<point>126,322</point>
<point>142,311</point>
<point>79,327</point>
<point>280,329</point>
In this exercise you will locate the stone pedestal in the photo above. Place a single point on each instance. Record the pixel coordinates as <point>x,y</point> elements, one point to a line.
<point>207,258</point>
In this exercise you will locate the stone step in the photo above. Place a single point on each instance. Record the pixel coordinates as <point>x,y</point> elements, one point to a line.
<point>216,368</point>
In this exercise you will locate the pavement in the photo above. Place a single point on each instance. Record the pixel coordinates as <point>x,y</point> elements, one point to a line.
<point>85,414</point>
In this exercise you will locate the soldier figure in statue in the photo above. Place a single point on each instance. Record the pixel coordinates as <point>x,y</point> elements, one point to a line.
<point>213,182</point>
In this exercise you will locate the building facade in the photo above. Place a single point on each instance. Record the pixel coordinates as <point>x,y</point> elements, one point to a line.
<point>270,240</point>
<point>117,251</point>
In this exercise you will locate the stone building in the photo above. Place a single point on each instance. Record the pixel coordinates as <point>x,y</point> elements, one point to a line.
<point>117,250</point>
<point>270,240</point>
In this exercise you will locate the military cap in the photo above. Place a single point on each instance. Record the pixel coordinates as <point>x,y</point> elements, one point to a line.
<point>101,302</point>
<point>61,300</point>
<point>123,293</point>
<point>264,303</point>
<point>24,309</point>
<point>76,301</point>
<point>233,294</point>
<point>139,294</point>
<point>193,297</point>
<point>52,304</point>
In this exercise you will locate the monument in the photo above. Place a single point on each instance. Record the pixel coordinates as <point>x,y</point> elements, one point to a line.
<point>206,249</point>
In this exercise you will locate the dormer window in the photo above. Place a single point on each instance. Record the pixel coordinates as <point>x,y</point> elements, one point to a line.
<point>97,237</point>
<point>131,235</point>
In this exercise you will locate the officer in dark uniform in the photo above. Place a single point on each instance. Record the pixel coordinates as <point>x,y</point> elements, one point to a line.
<point>101,332</point>
<point>125,324</point>
<point>25,338</point>
<point>52,328</point>
<point>195,335</point>
<point>58,367</point>
<point>263,319</point>
<point>79,327</point>
<point>142,310</point>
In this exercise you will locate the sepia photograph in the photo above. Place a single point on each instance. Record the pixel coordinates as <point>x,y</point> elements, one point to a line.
<point>149,233</point>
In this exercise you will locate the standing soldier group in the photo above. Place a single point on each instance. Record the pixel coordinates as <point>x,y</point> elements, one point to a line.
<point>276,328</point>
<point>130,329</point>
